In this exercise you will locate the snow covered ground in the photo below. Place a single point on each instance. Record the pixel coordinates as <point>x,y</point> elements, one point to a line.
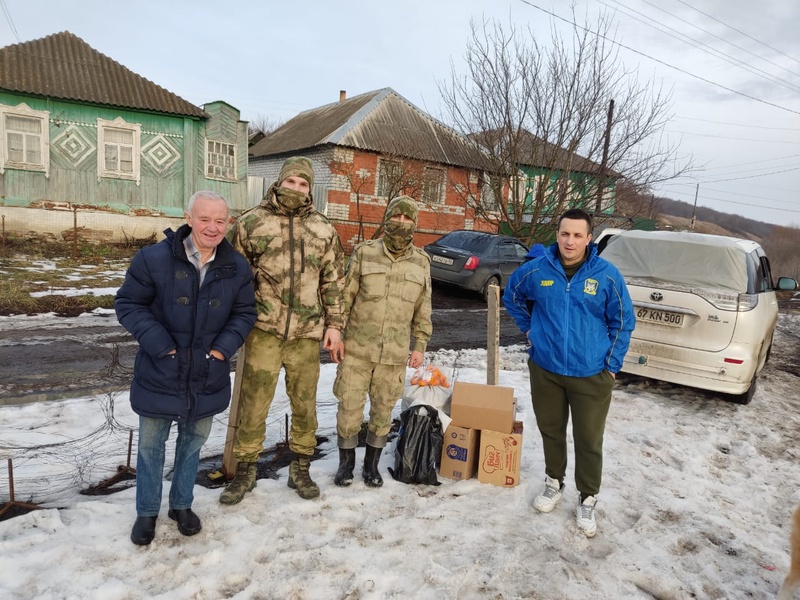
<point>696,502</point>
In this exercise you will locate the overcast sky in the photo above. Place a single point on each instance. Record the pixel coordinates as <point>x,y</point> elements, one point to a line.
<point>275,59</point>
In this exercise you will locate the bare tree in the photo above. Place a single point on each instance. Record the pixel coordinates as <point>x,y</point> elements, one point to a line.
<point>395,176</point>
<point>543,108</point>
<point>263,125</point>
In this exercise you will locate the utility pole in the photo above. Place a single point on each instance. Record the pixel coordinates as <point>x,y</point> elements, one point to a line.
<point>601,183</point>
<point>694,210</point>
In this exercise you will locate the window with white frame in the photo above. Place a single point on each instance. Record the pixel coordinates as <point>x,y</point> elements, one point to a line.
<point>433,185</point>
<point>26,139</point>
<point>489,194</point>
<point>390,172</point>
<point>118,145</point>
<point>220,160</point>
<point>517,189</point>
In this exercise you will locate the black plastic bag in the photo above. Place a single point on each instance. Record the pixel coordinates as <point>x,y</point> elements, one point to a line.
<point>418,446</point>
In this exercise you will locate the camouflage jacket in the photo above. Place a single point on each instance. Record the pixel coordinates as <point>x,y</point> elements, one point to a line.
<point>386,301</point>
<point>297,263</point>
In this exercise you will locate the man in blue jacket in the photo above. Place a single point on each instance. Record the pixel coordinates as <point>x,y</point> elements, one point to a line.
<point>579,325</point>
<point>189,302</point>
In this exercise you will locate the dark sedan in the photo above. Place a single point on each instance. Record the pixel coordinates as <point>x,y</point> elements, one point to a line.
<point>473,260</point>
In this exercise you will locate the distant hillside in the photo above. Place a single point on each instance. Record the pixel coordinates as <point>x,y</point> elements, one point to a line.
<point>724,223</point>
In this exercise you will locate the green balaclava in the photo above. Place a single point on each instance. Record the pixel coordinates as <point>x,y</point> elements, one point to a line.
<point>397,236</point>
<point>296,166</point>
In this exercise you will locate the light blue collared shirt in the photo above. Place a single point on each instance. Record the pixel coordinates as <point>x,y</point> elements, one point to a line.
<point>193,254</point>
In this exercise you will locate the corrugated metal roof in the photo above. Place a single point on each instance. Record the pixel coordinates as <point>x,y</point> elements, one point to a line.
<point>63,66</point>
<point>533,151</point>
<point>379,121</point>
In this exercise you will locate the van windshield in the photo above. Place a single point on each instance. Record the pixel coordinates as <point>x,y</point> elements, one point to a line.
<point>696,263</point>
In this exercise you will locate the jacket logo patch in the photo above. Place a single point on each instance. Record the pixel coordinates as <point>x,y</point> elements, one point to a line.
<point>590,287</point>
<point>546,282</point>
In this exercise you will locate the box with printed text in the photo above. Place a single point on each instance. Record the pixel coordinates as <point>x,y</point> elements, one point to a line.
<point>500,456</point>
<point>459,452</point>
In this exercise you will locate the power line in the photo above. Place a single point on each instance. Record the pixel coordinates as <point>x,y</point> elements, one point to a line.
<point>737,124</point>
<point>712,35</point>
<point>761,186</point>
<point>666,64</point>
<point>707,48</point>
<point>703,197</point>
<point>728,137</point>
<point>752,162</point>
<point>10,20</point>
<point>745,177</point>
<point>752,176</point>
<point>740,32</point>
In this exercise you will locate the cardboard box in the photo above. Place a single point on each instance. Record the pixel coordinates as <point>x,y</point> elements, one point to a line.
<point>478,406</point>
<point>500,457</point>
<point>459,453</point>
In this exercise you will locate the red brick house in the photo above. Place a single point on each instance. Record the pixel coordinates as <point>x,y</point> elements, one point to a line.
<point>371,148</point>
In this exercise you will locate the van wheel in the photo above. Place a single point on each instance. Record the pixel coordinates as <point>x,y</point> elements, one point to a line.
<point>485,291</point>
<point>747,396</point>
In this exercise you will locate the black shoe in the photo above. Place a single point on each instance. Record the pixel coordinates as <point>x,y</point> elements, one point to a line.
<point>347,462</point>
<point>372,476</point>
<point>188,522</point>
<point>144,530</point>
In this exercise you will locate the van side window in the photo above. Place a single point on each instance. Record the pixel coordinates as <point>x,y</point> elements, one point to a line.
<point>760,278</point>
<point>767,272</point>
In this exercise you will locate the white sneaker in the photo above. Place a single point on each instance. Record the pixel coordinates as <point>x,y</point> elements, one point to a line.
<point>585,515</point>
<point>550,497</point>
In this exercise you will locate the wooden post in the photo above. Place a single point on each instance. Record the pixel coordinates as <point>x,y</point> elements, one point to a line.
<point>493,335</point>
<point>75,231</point>
<point>228,459</point>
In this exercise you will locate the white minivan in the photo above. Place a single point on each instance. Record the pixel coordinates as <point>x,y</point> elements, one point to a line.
<point>705,307</point>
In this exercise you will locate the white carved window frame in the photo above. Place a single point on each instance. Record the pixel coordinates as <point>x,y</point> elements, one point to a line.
<point>103,128</point>
<point>390,173</point>
<point>434,184</point>
<point>23,111</point>
<point>220,159</point>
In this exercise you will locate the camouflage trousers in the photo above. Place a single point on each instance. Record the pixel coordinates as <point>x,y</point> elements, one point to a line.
<point>354,379</point>
<point>265,354</point>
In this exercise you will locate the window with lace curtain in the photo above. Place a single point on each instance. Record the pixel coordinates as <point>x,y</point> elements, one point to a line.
<point>118,149</point>
<point>25,135</point>
<point>433,185</point>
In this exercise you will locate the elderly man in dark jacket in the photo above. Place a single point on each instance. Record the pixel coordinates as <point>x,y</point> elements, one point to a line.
<point>189,302</point>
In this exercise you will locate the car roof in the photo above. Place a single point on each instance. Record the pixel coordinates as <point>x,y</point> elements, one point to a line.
<point>691,237</point>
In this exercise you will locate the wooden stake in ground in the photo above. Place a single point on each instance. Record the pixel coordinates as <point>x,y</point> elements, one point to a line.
<point>228,459</point>
<point>493,335</point>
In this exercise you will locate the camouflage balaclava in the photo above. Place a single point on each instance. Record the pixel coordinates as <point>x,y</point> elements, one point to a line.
<point>397,236</point>
<point>296,166</point>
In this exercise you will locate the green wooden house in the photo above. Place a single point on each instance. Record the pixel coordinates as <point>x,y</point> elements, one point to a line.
<point>87,144</point>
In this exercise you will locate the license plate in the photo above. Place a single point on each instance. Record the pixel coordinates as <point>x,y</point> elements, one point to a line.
<point>661,317</point>
<point>442,259</point>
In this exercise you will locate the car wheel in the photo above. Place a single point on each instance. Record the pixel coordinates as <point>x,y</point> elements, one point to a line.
<point>748,395</point>
<point>485,291</point>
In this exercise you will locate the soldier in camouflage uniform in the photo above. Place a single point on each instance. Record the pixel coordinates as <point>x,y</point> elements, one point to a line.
<point>387,298</point>
<point>297,262</point>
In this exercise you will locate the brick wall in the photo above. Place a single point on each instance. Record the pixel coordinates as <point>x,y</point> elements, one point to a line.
<point>356,211</point>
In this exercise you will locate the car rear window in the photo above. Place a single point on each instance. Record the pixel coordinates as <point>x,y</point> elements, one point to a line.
<point>683,261</point>
<point>466,240</point>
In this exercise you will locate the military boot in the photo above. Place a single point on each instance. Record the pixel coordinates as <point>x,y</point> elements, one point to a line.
<point>243,481</point>
<point>299,478</point>
<point>347,462</point>
<point>372,476</point>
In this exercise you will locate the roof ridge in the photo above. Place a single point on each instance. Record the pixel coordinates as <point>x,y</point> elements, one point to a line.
<point>40,75</point>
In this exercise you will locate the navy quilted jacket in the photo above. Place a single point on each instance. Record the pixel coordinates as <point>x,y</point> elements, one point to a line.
<point>164,308</point>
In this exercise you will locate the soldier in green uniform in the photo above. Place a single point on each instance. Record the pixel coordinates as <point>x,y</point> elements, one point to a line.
<point>387,298</point>
<point>297,262</point>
